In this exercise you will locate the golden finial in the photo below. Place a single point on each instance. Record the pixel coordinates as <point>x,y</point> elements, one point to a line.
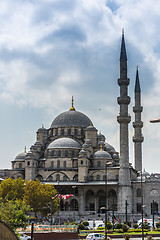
<point>101,147</point>
<point>72,108</point>
<point>25,149</point>
<point>42,125</point>
<point>91,123</point>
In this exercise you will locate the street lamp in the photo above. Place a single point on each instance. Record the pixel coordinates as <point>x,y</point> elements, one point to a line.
<point>106,189</point>
<point>155,120</point>
<point>142,206</point>
<point>74,207</point>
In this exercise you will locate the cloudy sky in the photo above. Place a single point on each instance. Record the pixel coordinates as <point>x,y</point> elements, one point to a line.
<point>53,49</point>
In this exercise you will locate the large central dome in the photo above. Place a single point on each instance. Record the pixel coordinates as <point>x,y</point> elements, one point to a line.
<point>71,119</point>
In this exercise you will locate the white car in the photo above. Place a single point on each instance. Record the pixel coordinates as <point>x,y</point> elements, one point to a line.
<point>24,237</point>
<point>95,236</point>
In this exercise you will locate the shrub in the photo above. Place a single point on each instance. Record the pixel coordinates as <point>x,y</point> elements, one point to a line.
<point>146,225</point>
<point>135,225</point>
<point>80,227</point>
<point>157,224</point>
<point>118,230</point>
<point>85,223</point>
<point>118,226</point>
<point>109,225</point>
<point>125,227</point>
<point>126,236</point>
<point>128,223</point>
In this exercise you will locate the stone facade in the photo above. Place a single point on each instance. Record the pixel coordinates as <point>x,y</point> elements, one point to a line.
<point>73,156</point>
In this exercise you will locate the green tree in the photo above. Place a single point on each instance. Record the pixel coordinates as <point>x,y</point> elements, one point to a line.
<point>38,196</point>
<point>14,213</point>
<point>11,189</point>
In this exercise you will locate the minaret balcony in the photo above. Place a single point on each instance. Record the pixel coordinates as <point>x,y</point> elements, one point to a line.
<point>124,100</point>
<point>123,81</point>
<point>137,109</point>
<point>138,124</point>
<point>138,139</point>
<point>123,119</point>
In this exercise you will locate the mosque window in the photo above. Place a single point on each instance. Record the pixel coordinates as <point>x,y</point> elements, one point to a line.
<point>99,164</point>
<point>58,164</point>
<point>91,178</point>
<point>59,153</point>
<point>82,132</point>
<point>73,154</point>
<point>57,177</point>
<point>65,178</point>
<point>104,177</point>
<point>139,207</point>
<point>98,177</point>
<point>52,164</point>
<point>139,192</point>
<point>75,131</point>
<point>28,163</point>
<point>52,152</point>
<point>64,164</point>
<point>20,165</point>
<point>81,162</point>
<point>66,153</point>
<point>62,131</point>
<point>50,179</point>
<point>69,132</point>
<point>56,131</point>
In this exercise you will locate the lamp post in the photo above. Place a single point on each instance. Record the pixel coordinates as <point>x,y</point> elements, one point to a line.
<point>142,205</point>
<point>74,207</point>
<point>106,189</point>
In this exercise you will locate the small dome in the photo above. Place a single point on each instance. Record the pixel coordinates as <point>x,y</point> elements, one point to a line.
<point>91,128</point>
<point>85,145</point>
<point>64,143</point>
<point>29,155</point>
<point>71,119</point>
<point>82,152</point>
<point>101,143</point>
<point>101,154</point>
<point>88,141</point>
<point>42,129</point>
<point>109,147</point>
<point>21,157</point>
<point>115,156</point>
<point>101,137</point>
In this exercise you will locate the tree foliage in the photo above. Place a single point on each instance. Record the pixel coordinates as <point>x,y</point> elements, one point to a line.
<point>35,194</point>
<point>14,213</point>
<point>38,196</point>
<point>11,189</point>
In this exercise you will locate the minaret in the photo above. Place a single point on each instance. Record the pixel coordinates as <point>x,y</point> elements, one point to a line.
<point>138,124</point>
<point>124,119</point>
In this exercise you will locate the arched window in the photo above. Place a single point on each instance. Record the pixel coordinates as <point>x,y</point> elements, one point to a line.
<point>58,164</point>
<point>50,179</point>
<point>76,131</point>
<point>62,131</point>
<point>98,177</point>
<point>59,153</point>
<point>56,131</point>
<point>82,132</point>
<point>91,178</point>
<point>65,178</point>
<point>75,178</point>
<point>139,192</point>
<point>66,153</point>
<point>73,154</point>
<point>57,177</point>
<point>20,165</point>
<point>52,164</point>
<point>69,132</point>
<point>99,164</point>
<point>64,164</point>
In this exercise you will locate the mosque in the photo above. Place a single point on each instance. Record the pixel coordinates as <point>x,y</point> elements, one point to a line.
<point>75,157</point>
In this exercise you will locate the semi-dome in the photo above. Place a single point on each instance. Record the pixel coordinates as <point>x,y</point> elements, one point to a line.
<point>109,147</point>
<point>71,119</point>
<point>64,143</point>
<point>101,154</point>
<point>21,157</point>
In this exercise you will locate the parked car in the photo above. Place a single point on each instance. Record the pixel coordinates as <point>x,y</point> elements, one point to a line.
<point>95,236</point>
<point>25,237</point>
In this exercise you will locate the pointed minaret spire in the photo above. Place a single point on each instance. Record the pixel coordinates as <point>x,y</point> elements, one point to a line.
<point>124,119</point>
<point>137,124</point>
<point>72,108</point>
<point>123,55</point>
<point>137,85</point>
